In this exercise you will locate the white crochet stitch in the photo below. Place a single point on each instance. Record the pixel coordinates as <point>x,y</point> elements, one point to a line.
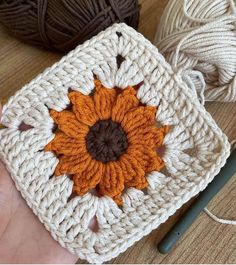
<point>196,148</point>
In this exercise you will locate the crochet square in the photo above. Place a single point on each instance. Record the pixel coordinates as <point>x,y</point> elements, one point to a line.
<point>131,146</point>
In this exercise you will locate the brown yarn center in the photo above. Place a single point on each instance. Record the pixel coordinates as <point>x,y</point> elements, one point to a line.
<point>106,141</point>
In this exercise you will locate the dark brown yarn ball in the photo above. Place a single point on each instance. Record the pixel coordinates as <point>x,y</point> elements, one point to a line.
<point>63,24</point>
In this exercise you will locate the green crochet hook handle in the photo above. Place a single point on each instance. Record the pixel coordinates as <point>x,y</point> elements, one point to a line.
<point>168,242</point>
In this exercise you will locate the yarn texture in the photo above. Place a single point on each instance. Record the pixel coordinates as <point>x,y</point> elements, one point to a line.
<point>198,38</point>
<point>119,84</point>
<point>108,142</point>
<point>63,24</point>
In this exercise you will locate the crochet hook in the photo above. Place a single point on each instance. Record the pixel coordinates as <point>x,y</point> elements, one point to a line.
<point>171,238</point>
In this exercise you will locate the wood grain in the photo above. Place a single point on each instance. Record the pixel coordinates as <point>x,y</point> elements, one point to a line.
<point>206,241</point>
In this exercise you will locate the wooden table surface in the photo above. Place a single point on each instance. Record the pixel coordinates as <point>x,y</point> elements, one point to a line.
<point>206,241</point>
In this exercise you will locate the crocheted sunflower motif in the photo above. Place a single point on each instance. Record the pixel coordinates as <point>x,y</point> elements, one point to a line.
<point>107,141</point>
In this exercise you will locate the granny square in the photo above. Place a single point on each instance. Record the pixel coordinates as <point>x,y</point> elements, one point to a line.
<point>108,143</point>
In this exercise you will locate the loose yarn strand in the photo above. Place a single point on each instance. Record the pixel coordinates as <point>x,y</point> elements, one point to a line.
<point>213,216</point>
<point>219,220</point>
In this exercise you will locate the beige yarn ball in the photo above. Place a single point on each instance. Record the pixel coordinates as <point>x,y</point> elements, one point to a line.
<point>198,38</point>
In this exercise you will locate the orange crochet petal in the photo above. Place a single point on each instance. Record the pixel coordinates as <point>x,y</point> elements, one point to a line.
<point>84,108</point>
<point>68,123</point>
<point>72,164</point>
<point>65,145</point>
<point>135,175</point>
<point>125,101</point>
<point>112,182</point>
<point>148,135</point>
<point>118,199</point>
<point>140,182</point>
<point>89,178</point>
<point>104,99</point>
<point>138,117</point>
<point>148,158</point>
<point>134,151</point>
<point>154,161</point>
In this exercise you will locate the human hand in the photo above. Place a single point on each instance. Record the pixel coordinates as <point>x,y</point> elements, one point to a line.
<point>23,239</point>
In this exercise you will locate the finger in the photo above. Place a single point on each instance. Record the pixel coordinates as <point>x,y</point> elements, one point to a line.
<point>4,175</point>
